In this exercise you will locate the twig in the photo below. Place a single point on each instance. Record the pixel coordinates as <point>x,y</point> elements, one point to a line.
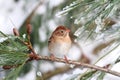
<point>79,64</point>
<point>34,56</point>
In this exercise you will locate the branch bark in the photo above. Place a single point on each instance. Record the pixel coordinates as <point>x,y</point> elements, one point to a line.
<point>78,64</point>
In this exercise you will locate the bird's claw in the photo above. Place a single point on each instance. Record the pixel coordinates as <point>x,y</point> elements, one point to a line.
<point>66,59</point>
<point>52,57</point>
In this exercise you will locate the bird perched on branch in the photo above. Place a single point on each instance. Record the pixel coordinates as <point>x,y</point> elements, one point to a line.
<point>60,42</point>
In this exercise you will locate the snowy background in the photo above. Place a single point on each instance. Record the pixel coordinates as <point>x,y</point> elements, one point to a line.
<point>13,13</point>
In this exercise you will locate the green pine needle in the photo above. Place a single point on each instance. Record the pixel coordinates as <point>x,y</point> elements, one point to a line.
<point>12,51</point>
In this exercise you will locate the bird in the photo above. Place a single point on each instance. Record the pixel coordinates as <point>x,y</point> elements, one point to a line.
<point>60,42</point>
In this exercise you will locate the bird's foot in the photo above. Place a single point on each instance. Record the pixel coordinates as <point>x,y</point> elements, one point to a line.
<point>66,59</point>
<point>52,57</point>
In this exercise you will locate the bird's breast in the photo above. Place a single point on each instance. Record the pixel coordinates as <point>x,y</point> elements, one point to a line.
<point>60,49</point>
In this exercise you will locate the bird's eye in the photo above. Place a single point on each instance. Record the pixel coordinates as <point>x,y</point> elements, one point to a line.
<point>61,31</point>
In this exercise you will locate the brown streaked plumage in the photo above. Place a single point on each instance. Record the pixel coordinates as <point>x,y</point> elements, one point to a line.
<point>59,43</point>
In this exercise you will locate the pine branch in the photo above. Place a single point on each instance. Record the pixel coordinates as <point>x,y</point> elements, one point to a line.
<point>77,64</point>
<point>34,56</point>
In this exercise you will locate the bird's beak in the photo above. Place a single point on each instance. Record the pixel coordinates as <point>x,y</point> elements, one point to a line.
<point>68,30</point>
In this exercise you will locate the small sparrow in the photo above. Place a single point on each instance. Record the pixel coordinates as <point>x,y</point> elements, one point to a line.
<point>60,42</point>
